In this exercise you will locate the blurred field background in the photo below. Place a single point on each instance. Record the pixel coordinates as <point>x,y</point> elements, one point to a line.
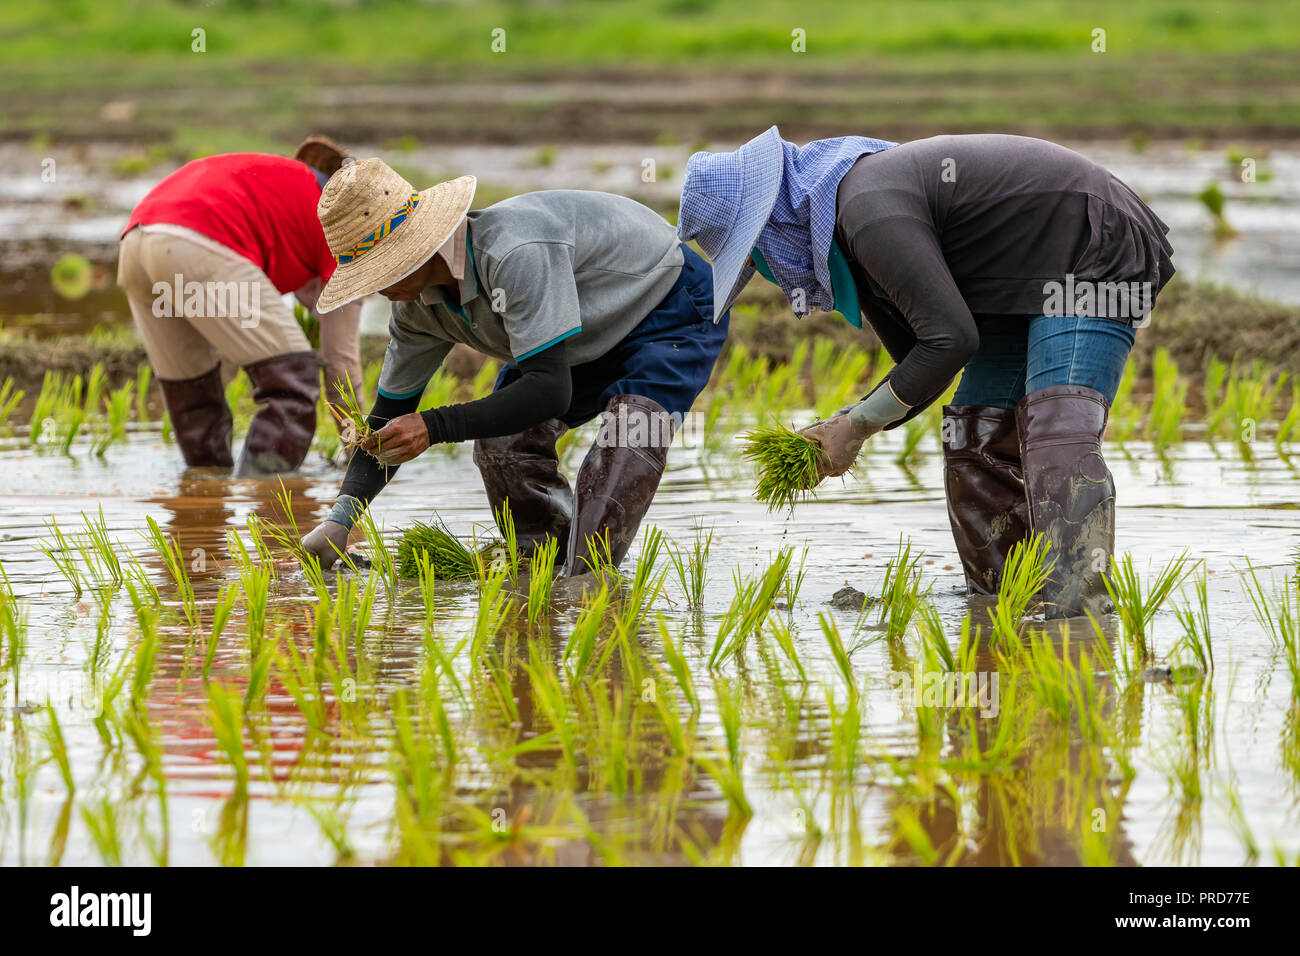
<point>585,93</point>
<point>644,68</point>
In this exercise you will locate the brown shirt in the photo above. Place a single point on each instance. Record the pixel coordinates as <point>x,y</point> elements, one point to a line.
<point>941,230</point>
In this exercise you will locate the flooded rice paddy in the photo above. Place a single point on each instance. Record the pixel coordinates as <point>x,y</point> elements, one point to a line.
<point>367,725</point>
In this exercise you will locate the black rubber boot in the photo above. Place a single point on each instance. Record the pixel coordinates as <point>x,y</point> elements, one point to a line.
<point>285,388</point>
<point>1071,494</point>
<point>200,418</point>
<point>618,480</point>
<point>524,470</point>
<point>985,490</point>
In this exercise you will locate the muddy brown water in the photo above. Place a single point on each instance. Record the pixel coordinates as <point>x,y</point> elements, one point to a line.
<point>1214,503</point>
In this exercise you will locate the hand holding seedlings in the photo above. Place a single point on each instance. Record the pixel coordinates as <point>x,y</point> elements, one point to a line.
<point>840,440</point>
<point>787,465</point>
<point>404,438</point>
<point>351,420</point>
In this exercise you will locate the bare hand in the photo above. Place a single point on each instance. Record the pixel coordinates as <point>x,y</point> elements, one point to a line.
<point>841,443</point>
<point>402,439</point>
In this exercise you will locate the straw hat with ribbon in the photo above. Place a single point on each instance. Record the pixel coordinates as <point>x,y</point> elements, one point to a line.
<point>380,229</point>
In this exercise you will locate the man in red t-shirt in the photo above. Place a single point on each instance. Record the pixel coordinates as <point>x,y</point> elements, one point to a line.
<point>204,261</point>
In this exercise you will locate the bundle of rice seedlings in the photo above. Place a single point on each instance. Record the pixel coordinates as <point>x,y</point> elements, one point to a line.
<point>787,465</point>
<point>352,423</point>
<point>449,557</point>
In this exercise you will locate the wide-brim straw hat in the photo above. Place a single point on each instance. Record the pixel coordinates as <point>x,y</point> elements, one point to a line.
<point>380,229</point>
<point>727,199</point>
<point>321,152</point>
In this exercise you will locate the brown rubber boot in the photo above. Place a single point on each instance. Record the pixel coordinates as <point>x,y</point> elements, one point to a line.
<point>618,480</point>
<point>985,490</point>
<point>285,388</point>
<point>1071,493</point>
<point>200,418</point>
<point>524,470</point>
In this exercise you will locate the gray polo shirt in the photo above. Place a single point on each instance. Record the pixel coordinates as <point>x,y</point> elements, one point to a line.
<point>544,267</point>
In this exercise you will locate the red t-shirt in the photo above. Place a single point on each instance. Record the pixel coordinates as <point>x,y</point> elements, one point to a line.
<point>261,206</point>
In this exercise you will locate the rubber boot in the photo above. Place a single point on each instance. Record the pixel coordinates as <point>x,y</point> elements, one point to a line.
<point>1071,494</point>
<point>285,389</point>
<point>200,418</point>
<point>524,470</point>
<point>618,480</point>
<point>985,490</point>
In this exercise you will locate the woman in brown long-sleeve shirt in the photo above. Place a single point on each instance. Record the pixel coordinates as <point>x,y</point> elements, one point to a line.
<point>1016,262</point>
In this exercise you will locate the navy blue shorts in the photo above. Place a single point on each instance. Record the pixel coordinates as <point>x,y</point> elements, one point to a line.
<point>668,358</point>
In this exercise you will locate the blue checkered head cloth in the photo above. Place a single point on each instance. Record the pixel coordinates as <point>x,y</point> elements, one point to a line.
<point>778,197</point>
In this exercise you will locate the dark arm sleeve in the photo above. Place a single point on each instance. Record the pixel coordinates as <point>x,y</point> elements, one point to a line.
<point>543,390</point>
<point>366,477</point>
<point>904,257</point>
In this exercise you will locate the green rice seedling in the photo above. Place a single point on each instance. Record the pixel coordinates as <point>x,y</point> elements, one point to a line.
<point>1289,427</point>
<point>10,398</point>
<point>100,553</point>
<point>353,423</point>
<point>729,774</point>
<point>678,665</point>
<point>1249,399</point>
<point>449,557</point>
<point>493,607</point>
<point>1279,614</point>
<point>1024,573</point>
<point>900,592</point>
<point>382,560</point>
<point>914,432</point>
<point>841,656</point>
<point>481,385</point>
<point>1196,640</point>
<point>541,579</point>
<point>793,583</point>
<point>61,554</point>
<point>1169,403</point>
<point>143,375</point>
<point>506,522</point>
<point>309,324</point>
<point>1137,607</point>
<point>101,823</point>
<point>749,608</point>
<point>255,585</point>
<point>58,748</point>
<point>1125,415</point>
<point>226,715</point>
<point>787,465</point>
<point>227,597</point>
<point>1214,200</point>
<point>580,647</point>
<point>443,389</point>
<point>118,409</point>
<point>552,701</point>
<point>288,536</point>
<point>169,549</point>
<point>645,582</point>
<point>693,569</point>
<point>780,632</point>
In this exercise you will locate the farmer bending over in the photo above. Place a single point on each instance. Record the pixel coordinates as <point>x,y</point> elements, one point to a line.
<point>1014,261</point>
<point>590,300</point>
<point>204,261</point>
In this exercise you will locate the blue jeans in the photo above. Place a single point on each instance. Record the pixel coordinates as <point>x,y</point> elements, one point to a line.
<point>1018,355</point>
